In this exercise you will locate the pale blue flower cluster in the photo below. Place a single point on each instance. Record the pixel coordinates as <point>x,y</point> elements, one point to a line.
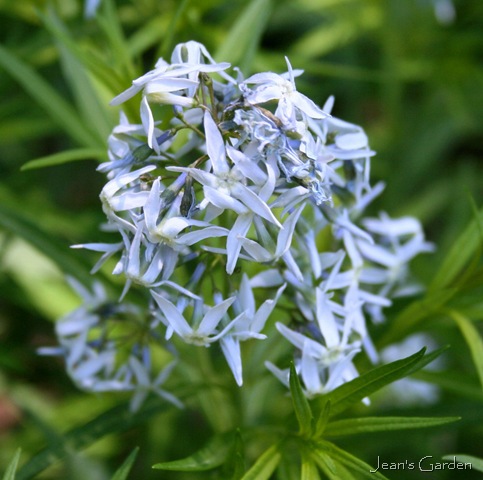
<point>230,185</point>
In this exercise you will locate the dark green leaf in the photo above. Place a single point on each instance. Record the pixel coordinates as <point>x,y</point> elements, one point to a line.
<point>265,465</point>
<point>354,391</point>
<point>12,466</point>
<point>123,471</point>
<point>117,419</point>
<point>353,426</point>
<point>300,403</point>
<point>210,456</point>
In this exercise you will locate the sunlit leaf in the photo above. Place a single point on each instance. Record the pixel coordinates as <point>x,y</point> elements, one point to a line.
<point>12,466</point>
<point>473,339</point>
<point>376,424</point>
<point>240,44</point>
<point>265,465</point>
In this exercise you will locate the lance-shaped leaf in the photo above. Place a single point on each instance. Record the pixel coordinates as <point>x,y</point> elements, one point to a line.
<point>354,391</point>
<point>376,424</point>
<point>473,339</point>
<point>354,464</point>
<point>123,471</point>
<point>12,467</point>
<point>65,157</point>
<point>300,403</point>
<point>265,465</point>
<point>309,469</point>
<point>332,470</point>
<point>322,420</point>
<point>212,455</point>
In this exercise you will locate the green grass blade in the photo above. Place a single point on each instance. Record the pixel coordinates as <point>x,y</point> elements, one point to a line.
<point>240,45</point>
<point>265,464</point>
<point>65,157</point>
<point>12,466</point>
<point>473,340</point>
<point>47,97</point>
<point>475,462</point>
<point>123,471</point>
<point>210,456</point>
<point>300,403</point>
<point>115,420</point>
<point>377,424</point>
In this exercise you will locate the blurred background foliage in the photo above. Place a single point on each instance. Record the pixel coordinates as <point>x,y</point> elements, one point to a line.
<point>409,72</point>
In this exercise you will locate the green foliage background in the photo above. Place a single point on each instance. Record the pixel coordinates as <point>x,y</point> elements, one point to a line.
<point>414,84</point>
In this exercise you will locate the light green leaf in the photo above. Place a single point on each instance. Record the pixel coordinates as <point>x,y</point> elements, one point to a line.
<point>353,426</point>
<point>241,43</point>
<point>117,419</point>
<point>212,455</point>
<point>47,97</point>
<point>12,466</point>
<point>473,339</point>
<point>475,462</point>
<point>354,391</point>
<point>300,403</point>
<point>332,470</point>
<point>463,249</point>
<point>358,466</point>
<point>265,464</point>
<point>309,469</point>
<point>123,471</point>
<point>65,157</point>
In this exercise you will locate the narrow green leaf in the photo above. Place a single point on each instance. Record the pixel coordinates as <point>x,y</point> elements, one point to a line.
<point>47,97</point>
<point>241,43</point>
<point>117,419</point>
<point>462,250</point>
<point>123,471</point>
<point>167,43</point>
<point>265,464</point>
<point>65,157</point>
<point>377,424</point>
<point>300,403</point>
<point>12,466</point>
<point>332,470</point>
<point>354,391</point>
<point>473,339</point>
<point>322,420</point>
<point>309,469</point>
<point>212,455</point>
<point>475,462</point>
<point>358,466</point>
<point>15,222</point>
<point>238,457</point>
<point>427,359</point>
